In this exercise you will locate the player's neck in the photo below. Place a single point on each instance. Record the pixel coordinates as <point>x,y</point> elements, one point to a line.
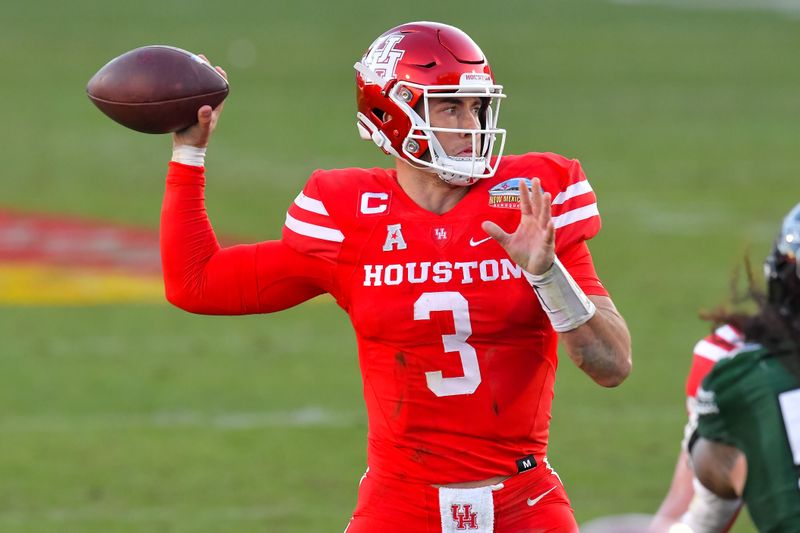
<point>427,190</point>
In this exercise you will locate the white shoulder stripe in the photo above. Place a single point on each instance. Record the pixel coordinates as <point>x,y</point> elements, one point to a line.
<point>576,215</point>
<point>312,230</point>
<point>576,189</point>
<point>711,351</point>
<point>310,204</point>
<point>729,334</point>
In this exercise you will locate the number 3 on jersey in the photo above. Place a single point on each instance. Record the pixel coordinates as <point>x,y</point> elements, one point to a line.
<point>455,303</point>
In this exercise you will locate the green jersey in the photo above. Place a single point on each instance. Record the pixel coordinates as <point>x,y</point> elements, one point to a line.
<point>752,402</point>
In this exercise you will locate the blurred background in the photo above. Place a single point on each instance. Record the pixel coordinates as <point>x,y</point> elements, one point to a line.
<point>120,413</point>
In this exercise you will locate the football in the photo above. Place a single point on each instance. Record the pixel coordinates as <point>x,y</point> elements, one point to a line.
<point>156,89</point>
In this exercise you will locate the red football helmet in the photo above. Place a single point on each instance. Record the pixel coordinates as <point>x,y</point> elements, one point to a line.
<point>401,71</point>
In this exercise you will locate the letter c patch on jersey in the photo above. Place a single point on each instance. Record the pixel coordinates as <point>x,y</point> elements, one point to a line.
<point>374,203</point>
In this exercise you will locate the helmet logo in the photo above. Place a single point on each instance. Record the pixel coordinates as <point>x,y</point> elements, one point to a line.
<point>476,78</point>
<point>383,57</point>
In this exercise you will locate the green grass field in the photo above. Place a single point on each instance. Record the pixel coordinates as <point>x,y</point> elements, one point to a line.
<point>145,418</point>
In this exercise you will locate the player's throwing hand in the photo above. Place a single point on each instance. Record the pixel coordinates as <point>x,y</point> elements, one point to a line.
<point>199,134</point>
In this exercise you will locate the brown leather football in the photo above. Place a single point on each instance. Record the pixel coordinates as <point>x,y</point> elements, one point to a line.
<point>156,89</point>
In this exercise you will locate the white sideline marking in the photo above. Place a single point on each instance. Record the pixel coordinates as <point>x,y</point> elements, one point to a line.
<point>786,7</point>
<point>688,220</point>
<point>305,417</point>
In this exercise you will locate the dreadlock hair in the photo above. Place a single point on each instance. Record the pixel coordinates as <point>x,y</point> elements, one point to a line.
<point>768,325</point>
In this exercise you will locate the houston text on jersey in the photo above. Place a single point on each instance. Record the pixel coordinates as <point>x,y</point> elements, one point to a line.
<point>441,272</point>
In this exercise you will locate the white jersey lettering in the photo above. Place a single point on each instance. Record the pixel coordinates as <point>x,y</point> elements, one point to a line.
<point>510,270</point>
<point>372,275</point>
<point>423,276</point>
<point>393,274</point>
<point>464,267</point>
<point>441,272</point>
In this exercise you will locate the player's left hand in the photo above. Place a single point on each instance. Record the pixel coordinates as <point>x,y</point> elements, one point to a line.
<point>532,245</point>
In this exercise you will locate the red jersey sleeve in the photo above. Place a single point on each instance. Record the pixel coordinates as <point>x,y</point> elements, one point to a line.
<point>578,262</point>
<point>721,344</point>
<point>202,277</point>
<point>575,214</point>
<point>575,218</point>
<point>309,227</point>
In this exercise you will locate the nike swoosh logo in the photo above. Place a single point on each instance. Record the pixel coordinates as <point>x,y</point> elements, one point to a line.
<point>473,242</point>
<point>534,501</point>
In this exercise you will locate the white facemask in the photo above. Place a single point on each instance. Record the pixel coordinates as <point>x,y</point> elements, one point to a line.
<point>454,170</point>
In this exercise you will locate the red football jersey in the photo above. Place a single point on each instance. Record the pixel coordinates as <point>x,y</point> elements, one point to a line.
<point>457,357</point>
<point>723,343</point>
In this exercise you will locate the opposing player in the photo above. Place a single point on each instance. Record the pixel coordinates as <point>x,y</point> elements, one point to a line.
<point>747,441</point>
<point>457,269</point>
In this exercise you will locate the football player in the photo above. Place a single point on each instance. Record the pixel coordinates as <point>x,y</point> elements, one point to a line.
<point>459,269</point>
<point>745,443</point>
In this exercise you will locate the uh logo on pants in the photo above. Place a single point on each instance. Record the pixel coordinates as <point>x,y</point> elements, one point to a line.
<point>464,517</point>
<point>469,510</point>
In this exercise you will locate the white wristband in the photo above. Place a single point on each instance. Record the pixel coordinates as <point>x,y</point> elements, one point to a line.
<point>189,155</point>
<point>565,303</point>
<point>709,512</point>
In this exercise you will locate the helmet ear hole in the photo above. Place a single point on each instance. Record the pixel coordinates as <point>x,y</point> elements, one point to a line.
<point>380,115</point>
